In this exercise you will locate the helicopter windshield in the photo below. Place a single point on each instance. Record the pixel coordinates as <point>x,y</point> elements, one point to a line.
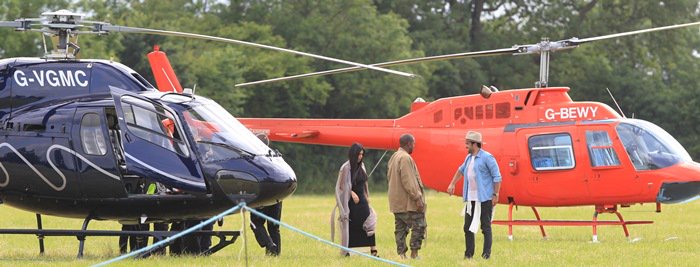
<point>219,135</point>
<point>649,147</point>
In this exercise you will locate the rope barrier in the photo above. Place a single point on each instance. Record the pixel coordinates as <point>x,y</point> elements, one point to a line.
<point>171,238</point>
<point>243,206</point>
<point>270,219</point>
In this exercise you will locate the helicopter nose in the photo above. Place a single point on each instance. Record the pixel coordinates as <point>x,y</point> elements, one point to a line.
<point>685,188</point>
<point>278,182</point>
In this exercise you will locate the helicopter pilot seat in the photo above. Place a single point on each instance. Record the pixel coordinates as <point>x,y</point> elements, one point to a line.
<point>133,184</point>
<point>543,162</point>
<point>115,138</point>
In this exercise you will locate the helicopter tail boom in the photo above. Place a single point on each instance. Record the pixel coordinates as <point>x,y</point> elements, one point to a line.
<point>375,134</point>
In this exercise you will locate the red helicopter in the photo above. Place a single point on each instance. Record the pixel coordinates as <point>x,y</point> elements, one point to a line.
<point>552,151</point>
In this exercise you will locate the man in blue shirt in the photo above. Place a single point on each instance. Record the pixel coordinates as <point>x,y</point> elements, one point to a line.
<point>482,180</point>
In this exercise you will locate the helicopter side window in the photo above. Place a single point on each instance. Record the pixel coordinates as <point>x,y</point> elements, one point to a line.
<point>92,136</point>
<point>153,124</point>
<point>551,152</point>
<point>600,149</point>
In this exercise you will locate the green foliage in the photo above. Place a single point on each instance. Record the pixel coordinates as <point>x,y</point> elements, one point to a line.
<point>653,76</point>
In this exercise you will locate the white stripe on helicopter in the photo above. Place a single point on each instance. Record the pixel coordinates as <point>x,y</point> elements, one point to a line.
<point>164,173</point>
<point>48,158</point>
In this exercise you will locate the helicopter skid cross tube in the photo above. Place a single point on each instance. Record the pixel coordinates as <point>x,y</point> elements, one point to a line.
<point>593,223</point>
<point>225,237</point>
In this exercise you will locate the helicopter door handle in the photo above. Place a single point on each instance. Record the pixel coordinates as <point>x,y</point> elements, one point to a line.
<point>127,137</point>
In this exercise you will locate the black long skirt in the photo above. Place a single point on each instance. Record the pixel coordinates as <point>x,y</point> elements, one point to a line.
<point>358,214</point>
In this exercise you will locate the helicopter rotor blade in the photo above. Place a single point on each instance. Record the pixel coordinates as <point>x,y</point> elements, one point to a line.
<point>484,53</point>
<point>538,48</point>
<point>622,34</point>
<point>104,28</point>
<point>11,24</point>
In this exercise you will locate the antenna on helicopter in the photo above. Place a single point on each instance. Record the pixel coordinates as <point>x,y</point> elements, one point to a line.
<point>618,106</point>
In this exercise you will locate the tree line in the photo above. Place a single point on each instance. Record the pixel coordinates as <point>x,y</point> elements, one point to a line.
<point>653,76</point>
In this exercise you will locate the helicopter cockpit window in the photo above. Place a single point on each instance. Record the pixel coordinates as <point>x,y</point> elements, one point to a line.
<point>551,152</point>
<point>218,135</point>
<point>650,147</point>
<point>600,149</point>
<point>153,124</point>
<point>92,136</point>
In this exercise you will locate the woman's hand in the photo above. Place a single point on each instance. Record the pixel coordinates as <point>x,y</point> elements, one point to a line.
<point>355,198</point>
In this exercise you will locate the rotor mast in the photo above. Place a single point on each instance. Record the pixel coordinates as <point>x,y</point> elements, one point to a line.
<point>63,24</point>
<point>544,66</point>
<point>545,48</point>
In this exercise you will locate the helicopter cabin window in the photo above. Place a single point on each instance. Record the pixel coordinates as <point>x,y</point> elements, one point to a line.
<point>469,112</point>
<point>437,116</point>
<point>458,113</point>
<point>503,110</point>
<point>489,111</point>
<point>479,112</point>
<point>92,136</point>
<point>153,124</point>
<point>551,152</point>
<point>600,149</point>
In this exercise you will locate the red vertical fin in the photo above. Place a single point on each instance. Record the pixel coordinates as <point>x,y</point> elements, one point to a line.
<point>166,80</point>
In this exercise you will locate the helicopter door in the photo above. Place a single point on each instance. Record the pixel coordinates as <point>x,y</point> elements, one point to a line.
<point>154,147</point>
<point>607,176</point>
<point>99,173</point>
<point>554,170</point>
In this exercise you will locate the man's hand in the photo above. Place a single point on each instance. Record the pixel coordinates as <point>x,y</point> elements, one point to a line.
<point>451,189</point>
<point>420,205</point>
<point>355,198</point>
<point>494,200</point>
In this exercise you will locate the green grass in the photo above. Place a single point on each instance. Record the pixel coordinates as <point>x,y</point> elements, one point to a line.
<point>673,240</point>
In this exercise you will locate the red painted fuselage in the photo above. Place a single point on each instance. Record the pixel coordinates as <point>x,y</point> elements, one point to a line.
<point>551,151</point>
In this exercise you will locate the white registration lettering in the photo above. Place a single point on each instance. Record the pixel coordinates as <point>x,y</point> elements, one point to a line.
<point>21,78</point>
<point>570,113</point>
<point>39,77</point>
<point>82,83</point>
<point>564,113</point>
<point>52,78</point>
<point>549,114</point>
<point>66,78</point>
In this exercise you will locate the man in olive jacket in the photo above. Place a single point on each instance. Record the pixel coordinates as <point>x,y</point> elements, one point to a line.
<point>406,199</point>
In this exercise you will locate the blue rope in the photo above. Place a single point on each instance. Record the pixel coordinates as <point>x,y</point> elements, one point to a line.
<point>176,236</point>
<point>270,219</point>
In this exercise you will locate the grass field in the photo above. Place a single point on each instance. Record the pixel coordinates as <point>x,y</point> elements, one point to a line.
<point>673,240</point>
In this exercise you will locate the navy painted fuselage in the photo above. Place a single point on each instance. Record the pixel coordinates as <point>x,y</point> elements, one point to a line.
<point>94,138</point>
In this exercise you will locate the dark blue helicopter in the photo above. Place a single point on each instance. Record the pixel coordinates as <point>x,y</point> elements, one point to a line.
<point>77,136</point>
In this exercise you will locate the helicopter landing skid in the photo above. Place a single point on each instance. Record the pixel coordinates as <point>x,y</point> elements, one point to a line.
<point>594,223</point>
<point>225,237</point>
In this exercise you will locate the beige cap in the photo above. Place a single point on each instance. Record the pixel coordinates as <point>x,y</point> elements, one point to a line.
<point>474,136</point>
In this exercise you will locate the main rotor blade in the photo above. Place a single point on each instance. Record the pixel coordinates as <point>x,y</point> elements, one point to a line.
<point>116,28</point>
<point>390,63</point>
<point>616,35</point>
<point>10,24</point>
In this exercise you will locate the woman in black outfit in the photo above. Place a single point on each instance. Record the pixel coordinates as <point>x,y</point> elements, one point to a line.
<point>358,204</point>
